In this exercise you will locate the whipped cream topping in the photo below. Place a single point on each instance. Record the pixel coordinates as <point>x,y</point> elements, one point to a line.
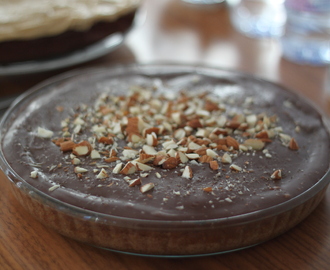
<point>23,19</point>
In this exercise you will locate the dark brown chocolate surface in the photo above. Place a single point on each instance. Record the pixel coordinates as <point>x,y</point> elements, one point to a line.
<point>233,193</point>
<point>59,45</point>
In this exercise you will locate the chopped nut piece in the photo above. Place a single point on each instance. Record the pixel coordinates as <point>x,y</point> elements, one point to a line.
<point>170,145</point>
<point>201,151</point>
<point>147,187</point>
<point>80,170</point>
<point>192,156</point>
<point>103,174</point>
<point>67,146</point>
<point>95,154</point>
<point>205,159</point>
<point>170,163</point>
<point>160,159</point>
<point>34,174</point>
<point>106,140</point>
<point>151,139</point>
<point>226,158</point>
<point>277,175</point>
<point>187,172</point>
<point>82,149</point>
<point>194,146</point>
<point>251,120</point>
<point>113,153</point>
<point>181,157</point>
<point>285,139</point>
<point>235,168</point>
<point>230,141</point>
<point>179,134</point>
<point>117,168</point>
<point>255,144</point>
<point>129,153</point>
<point>76,161</point>
<point>195,123</point>
<point>214,165</point>
<point>149,150</point>
<point>144,158</point>
<point>44,133</point>
<point>129,168</point>
<point>142,166</point>
<point>134,182</point>
<point>211,106</point>
<point>262,135</point>
<point>135,138</point>
<point>208,189</point>
<point>293,145</point>
<point>111,159</point>
<point>211,153</point>
<point>132,125</point>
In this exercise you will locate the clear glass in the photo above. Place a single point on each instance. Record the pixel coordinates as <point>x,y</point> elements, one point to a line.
<point>307,32</point>
<point>181,238</point>
<point>258,18</point>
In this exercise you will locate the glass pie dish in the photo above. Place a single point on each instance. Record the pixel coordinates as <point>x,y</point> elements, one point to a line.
<point>256,195</point>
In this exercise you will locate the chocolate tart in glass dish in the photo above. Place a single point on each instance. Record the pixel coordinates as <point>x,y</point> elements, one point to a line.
<point>165,160</point>
<point>39,30</point>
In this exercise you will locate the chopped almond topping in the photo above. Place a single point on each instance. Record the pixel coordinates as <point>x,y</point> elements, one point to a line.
<point>293,145</point>
<point>255,144</point>
<point>132,125</point>
<point>103,174</point>
<point>67,146</point>
<point>34,174</point>
<point>151,130</point>
<point>134,182</point>
<point>80,170</point>
<point>82,149</point>
<point>262,135</point>
<point>117,168</point>
<point>208,189</point>
<point>230,141</point>
<point>211,106</point>
<point>113,153</point>
<point>44,133</point>
<point>95,154</point>
<point>147,187</point>
<point>170,163</point>
<point>201,151</point>
<point>235,168</point>
<point>111,159</point>
<point>214,165</point>
<point>129,168</point>
<point>140,131</point>
<point>187,172</point>
<point>226,158</point>
<point>205,159</point>
<point>195,123</point>
<point>145,158</point>
<point>160,159</point>
<point>106,140</point>
<point>143,167</point>
<point>277,175</point>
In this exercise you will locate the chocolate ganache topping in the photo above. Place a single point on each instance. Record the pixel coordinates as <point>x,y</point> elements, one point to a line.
<point>168,145</point>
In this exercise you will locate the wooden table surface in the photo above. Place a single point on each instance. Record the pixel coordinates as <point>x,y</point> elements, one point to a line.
<point>173,32</point>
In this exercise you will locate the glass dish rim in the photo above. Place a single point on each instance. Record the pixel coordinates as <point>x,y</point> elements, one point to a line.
<point>138,68</point>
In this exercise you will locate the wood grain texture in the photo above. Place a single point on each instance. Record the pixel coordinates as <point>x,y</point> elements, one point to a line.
<point>171,32</point>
